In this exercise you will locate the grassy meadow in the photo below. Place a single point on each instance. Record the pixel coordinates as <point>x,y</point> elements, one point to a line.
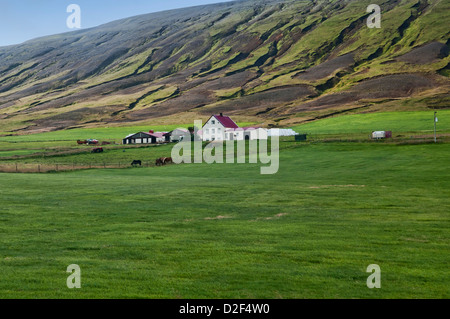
<point>226,231</point>
<point>416,122</point>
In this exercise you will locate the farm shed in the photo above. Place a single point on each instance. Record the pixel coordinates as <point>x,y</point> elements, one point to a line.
<point>381,134</point>
<point>255,133</point>
<point>144,138</point>
<point>177,135</point>
<point>282,132</point>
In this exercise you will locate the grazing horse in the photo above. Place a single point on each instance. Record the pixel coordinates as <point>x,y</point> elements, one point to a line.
<point>136,162</point>
<point>97,150</point>
<point>81,142</point>
<point>160,161</point>
<point>163,161</point>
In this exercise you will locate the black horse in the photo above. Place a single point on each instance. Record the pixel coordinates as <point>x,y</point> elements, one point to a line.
<point>136,162</point>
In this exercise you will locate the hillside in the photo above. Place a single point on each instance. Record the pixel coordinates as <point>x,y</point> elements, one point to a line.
<point>271,61</point>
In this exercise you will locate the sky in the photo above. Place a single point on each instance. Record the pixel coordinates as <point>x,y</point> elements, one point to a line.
<point>22,20</point>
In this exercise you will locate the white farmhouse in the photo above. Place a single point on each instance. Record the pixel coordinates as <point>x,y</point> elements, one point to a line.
<point>215,128</point>
<point>223,128</point>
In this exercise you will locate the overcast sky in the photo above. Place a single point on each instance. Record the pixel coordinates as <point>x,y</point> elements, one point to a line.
<point>22,20</point>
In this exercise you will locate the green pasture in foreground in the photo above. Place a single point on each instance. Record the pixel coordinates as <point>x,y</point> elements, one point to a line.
<point>225,231</point>
<point>397,122</point>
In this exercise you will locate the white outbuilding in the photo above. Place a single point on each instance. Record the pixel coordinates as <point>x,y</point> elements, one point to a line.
<point>281,132</point>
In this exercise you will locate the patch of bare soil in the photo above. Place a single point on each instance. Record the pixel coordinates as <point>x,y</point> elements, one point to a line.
<point>262,100</point>
<point>41,130</point>
<point>327,68</point>
<point>390,86</point>
<point>186,101</point>
<point>426,54</point>
<point>230,81</point>
<point>74,117</point>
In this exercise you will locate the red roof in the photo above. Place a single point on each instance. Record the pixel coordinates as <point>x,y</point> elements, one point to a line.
<point>157,134</point>
<point>226,121</point>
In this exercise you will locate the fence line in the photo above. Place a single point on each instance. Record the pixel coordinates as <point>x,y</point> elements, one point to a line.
<point>60,167</point>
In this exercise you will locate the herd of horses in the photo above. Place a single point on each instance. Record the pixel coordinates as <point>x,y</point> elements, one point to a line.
<point>159,162</point>
<point>163,161</point>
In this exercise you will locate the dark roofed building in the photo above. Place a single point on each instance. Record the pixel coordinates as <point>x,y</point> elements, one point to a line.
<point>144,138</point>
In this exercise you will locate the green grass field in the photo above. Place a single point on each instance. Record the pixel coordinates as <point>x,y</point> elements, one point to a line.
<point>225,231</point>
<point>397,122</point>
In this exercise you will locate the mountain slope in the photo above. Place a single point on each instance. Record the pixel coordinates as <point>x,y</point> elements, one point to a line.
<point>275,61</point>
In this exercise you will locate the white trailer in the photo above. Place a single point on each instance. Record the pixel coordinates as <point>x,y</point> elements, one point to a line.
<point>378,135</point>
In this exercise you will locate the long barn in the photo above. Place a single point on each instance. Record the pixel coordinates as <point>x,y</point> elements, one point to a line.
<point>144,138</point>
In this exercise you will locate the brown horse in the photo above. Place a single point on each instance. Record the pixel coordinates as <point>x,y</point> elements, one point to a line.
<point>160,161</point>
<point>163,161</point>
